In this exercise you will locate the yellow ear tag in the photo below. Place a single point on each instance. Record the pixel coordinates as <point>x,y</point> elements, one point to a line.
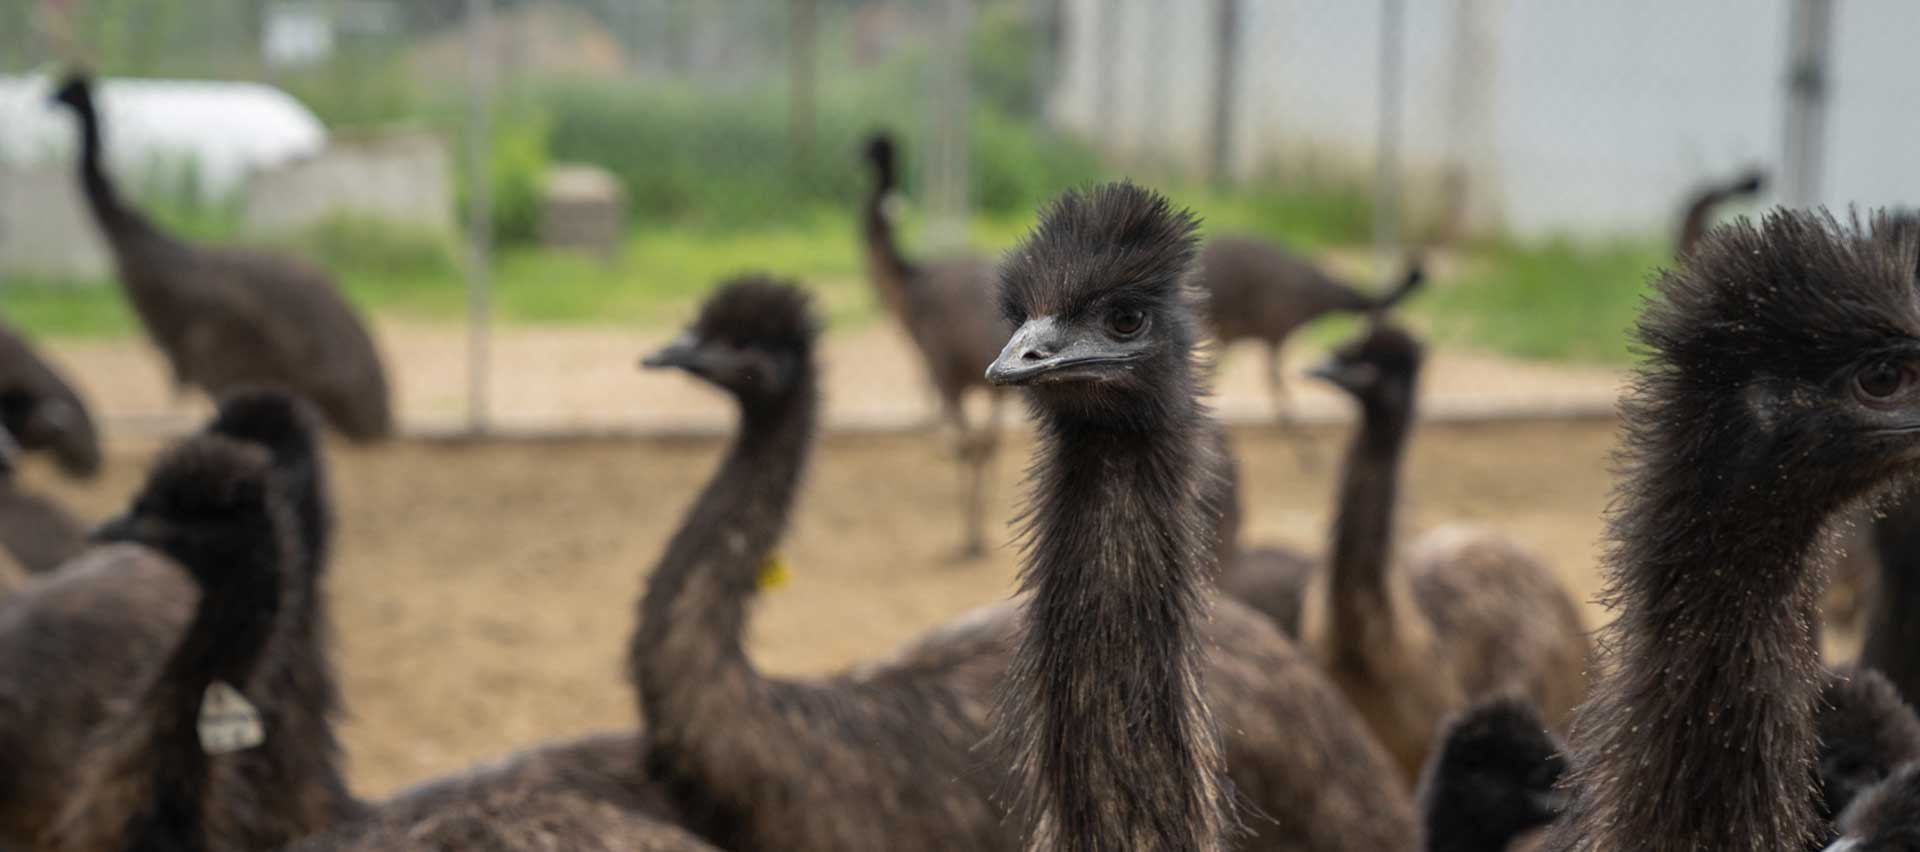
<point>773,573</point>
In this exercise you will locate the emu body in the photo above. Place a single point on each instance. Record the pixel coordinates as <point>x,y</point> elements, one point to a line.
<point>228,318</point>
<point>1776,392</point>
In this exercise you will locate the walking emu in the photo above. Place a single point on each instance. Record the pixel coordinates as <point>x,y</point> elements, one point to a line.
<point>228,318</point>
<point>1257,290</point>
<point>1467,616</point>
<point>773,764</point>
<point>946,308</point>
<point>41,409</point>
<point>1781,385</point>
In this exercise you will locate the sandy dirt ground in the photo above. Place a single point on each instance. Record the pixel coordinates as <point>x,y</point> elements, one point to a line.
<point>585,380</point>
<point>484,592</point>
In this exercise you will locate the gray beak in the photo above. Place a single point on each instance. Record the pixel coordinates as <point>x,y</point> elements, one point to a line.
<point>1352,377</point>
<point>682,353</point>
<point>1844,844</point>
<point>1045,350</point>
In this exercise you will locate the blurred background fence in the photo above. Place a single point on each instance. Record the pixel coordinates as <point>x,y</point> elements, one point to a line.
<point>591,166</point>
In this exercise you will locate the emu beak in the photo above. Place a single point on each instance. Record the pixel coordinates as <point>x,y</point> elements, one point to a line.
<point>1044,350</point>
<point>1347,376</point>
<point>683,353</point>
<point>1844,844</point>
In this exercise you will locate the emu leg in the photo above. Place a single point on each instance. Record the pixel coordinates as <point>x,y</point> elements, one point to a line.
<point>974,450</point>
<point>1283,408</point>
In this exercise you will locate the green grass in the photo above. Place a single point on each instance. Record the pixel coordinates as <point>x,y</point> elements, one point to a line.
<point>1556,300</point>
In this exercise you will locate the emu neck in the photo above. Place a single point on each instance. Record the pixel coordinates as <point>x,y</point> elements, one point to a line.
<point>1363,527</point>
<point>694,613</point>
<point>1893,625</point>
<point>889,270</point>
<point>1107,720</point>
<point>225,641</point>
<point>1701,733</point>
<point>112,215</point>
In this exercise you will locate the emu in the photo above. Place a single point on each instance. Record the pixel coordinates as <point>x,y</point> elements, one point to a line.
<point>946,309</point>
<point>1781,386</point>
<point>228,319</point>
<point>744,753</point>
<point>1108,710</point>
<point>1492,778</point>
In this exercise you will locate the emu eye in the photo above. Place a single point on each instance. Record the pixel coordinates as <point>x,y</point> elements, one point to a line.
<point>1880,381</point>
<point>1127,322</point>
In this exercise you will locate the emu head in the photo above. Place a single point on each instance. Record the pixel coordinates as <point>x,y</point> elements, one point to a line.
<point>1099,297</point>
<point>754,338</point>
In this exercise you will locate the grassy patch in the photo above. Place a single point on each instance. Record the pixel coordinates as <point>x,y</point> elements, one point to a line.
<point>1556,299</point>
<point>67,309</point>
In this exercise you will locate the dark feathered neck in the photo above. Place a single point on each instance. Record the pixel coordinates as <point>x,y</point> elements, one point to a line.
<point>225,641</point>
<point>1102,711</point>
<point>1699,733</point>
<point>694,612</point>
<point>1892,643</point>
<point>109,210</point>
<point>890,270</point>
<point>1362,548</point>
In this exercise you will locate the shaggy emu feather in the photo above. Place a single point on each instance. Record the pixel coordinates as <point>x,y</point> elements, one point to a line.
<point>79,641</point>
<point>1107,712</point>
<point>228,319</point>
<point>149,785</point>
<point>1491,779</point>
<point>771,764</point>
<point>1779,388</point>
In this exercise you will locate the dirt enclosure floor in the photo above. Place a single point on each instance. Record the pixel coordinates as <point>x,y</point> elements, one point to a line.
<point>483,592</point>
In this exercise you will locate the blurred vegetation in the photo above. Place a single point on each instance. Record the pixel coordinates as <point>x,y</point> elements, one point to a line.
<point>715,185</point>
<point>1554,299</point>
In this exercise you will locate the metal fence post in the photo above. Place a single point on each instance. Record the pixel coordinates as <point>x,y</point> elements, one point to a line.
<point>479,209</point>
<point>1386,181</point>
<point>1809,26</point>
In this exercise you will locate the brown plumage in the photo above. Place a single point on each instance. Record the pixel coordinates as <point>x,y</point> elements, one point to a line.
<point>1109,708</point>
<point>41,409</point>
<point>1465,615</point>
<point>1866,732</point>
<point>1781,385</point>
<point>80,641</point>
<point>1706,201</point>
<point>34,530</point>
<point>946,308</point>
<point>884,761</point>
<point>1491,782</point>
<point>229,318</point>
<point>1886,818</point>
<point>147,784</point>
<point>143,775</point>
<point>1257,290</point>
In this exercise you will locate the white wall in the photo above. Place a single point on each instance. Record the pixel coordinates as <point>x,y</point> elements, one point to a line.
<point>1598,117</point>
